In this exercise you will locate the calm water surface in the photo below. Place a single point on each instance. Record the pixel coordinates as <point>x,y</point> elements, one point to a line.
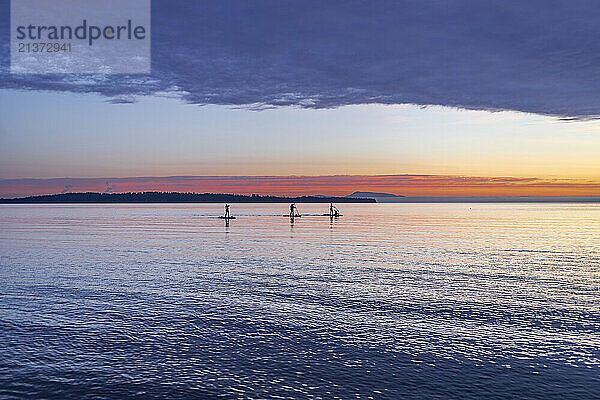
<point>388,301</point>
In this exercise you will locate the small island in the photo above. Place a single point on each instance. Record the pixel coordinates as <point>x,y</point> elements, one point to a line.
<point>176,197</point>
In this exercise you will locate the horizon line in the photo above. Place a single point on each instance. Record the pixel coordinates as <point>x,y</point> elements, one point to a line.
<point>297,185</point>
<point>361,197</point>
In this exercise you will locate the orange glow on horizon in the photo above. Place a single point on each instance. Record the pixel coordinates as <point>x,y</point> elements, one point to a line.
<point>333,185</point>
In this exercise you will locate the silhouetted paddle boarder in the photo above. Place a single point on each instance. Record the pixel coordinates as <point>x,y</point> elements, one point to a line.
<point>227,215</point>
<point>333,211</point>
<point>294,211</point>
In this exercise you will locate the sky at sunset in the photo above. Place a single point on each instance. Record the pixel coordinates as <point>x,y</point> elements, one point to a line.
<point>459,103</point>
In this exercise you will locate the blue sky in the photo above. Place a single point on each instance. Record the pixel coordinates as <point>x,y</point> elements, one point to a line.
<point>47,134</point>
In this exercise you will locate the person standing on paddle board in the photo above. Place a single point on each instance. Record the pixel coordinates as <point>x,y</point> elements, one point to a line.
<point>293,210</point>
<point>333,211</point>
<point>226,210</point>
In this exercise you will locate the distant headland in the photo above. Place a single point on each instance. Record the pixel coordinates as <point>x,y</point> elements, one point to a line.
<point>356,197</point>
<point>175,197</point>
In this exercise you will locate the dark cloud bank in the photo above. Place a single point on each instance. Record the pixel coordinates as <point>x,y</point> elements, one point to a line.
<point>533,56</point>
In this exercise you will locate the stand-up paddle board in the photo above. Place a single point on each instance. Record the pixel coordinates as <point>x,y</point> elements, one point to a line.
<point>223,217</point>
<point>329,215</point>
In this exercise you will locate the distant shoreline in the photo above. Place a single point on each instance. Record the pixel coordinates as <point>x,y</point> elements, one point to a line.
<point>174,197</point>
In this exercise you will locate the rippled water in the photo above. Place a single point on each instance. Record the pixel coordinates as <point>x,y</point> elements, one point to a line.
<point>388,301</point>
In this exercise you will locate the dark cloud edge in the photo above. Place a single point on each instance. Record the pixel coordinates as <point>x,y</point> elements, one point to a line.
<point>132,94</point>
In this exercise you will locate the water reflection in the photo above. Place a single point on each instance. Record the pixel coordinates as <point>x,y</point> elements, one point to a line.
<point>441,298</point>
